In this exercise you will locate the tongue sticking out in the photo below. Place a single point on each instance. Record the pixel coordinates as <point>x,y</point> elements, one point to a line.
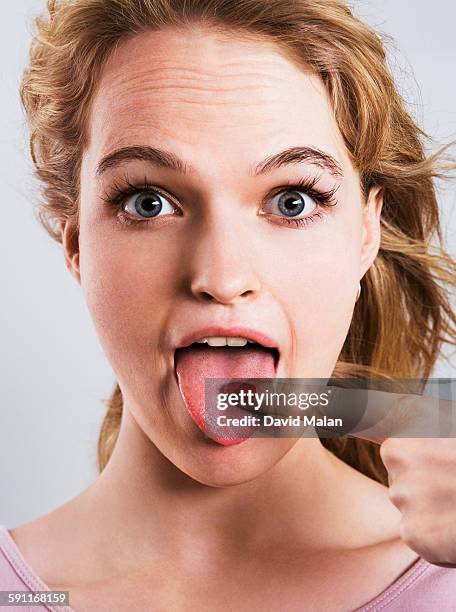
<point>196,363</point>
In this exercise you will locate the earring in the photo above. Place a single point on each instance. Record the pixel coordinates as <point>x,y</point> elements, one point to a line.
<point>358,293</point>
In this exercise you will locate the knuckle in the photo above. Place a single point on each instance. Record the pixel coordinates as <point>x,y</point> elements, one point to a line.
<point>424,539</point>
<point>398,496</point>
<point>390,452</point>
<point>412,535</point>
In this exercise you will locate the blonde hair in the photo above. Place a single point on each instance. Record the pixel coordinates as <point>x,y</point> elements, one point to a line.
<point>404,313</point>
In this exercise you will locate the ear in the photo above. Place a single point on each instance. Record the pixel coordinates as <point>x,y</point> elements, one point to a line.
<point>70,242</point>
<point>371,229</point>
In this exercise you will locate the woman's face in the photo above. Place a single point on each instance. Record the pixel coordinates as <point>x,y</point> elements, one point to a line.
<point>251,218</point>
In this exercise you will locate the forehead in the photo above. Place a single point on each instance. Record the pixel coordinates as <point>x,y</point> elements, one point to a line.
<point>207,94</point>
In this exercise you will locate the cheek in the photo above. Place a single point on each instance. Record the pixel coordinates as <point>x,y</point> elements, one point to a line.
<point>316,291</point>
<point>128,281</point>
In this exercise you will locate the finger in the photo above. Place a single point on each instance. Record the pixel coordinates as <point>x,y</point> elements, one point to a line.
<point>388,415</point>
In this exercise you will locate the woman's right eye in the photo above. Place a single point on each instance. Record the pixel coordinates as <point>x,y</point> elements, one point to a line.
<point>147,204</point>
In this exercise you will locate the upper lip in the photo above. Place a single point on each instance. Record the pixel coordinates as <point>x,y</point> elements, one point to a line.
<point>237,331</point>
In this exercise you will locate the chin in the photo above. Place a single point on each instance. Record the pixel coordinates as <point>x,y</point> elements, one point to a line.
<point>218,465</point>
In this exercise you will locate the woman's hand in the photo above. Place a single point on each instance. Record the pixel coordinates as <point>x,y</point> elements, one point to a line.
<point>421,470</point>
<point>417,437</point>
<point>422,485</point>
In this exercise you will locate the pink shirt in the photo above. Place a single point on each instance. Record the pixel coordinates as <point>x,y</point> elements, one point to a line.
<point>422,588</point>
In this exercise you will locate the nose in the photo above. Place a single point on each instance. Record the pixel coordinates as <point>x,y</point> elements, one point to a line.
<point>222,266</point>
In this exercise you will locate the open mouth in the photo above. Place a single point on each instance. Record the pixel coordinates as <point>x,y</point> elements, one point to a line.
<point>230,353</point>
<point>221,358</point>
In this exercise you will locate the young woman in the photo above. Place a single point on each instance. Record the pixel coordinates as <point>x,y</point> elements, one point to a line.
<point>221,172</point>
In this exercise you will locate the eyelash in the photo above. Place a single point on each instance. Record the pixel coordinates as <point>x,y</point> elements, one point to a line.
<point>307,185</point>
<point>121,191</point>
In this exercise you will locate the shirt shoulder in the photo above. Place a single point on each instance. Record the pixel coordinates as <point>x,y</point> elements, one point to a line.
<point>423,587</point>
<point>17,575</point>
<point>14,575</point>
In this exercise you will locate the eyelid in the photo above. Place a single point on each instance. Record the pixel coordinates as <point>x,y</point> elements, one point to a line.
<point>120,192</point>
<point>307,185</point>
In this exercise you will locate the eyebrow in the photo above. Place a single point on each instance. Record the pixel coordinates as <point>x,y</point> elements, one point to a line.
<point>166,159</point>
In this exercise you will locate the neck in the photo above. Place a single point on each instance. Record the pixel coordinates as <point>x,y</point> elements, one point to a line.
<point>307,499</point>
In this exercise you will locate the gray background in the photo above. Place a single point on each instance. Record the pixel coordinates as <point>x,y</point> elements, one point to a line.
<point>54,374</point>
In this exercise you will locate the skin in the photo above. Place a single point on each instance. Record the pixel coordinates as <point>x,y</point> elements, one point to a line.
<point>183,522</point>
<point>422,485</point>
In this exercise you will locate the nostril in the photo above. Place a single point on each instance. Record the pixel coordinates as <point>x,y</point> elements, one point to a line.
<point>223,297</point>
<point>224,287</point>
<point>206,296</point>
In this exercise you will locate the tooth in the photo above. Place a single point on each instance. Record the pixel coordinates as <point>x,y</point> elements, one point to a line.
<point>236,341</point>
<point>251,341</point>
<point>202,341</point>
<point>217,341</point>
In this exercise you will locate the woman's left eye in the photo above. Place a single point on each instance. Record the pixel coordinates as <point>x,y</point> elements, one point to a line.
<point>292,204</point>
<point>147,204</point>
